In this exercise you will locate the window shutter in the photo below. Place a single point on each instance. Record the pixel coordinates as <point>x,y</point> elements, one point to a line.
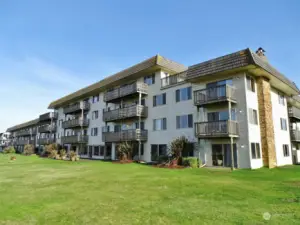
<point>164,98</point>
<point>177,122</point>
<point>190,120</point>
<point>154,101</point>
<point>164,123</point>
<point>177,93</point>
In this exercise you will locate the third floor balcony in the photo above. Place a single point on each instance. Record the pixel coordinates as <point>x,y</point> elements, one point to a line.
<point>127,112</point>
<point>222,93</point>
<point>126,90</point>
<point>294,113</point>
<point>75,123</point>
<point>48,116</point>
<point>49,128</point>
<point>84,105</point>
<point>28,132</point>
<point>173,80</point>
<point>295,135</point>
<point>216,129</point>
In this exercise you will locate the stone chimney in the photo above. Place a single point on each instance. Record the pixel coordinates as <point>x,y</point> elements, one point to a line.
<point>261,53</point>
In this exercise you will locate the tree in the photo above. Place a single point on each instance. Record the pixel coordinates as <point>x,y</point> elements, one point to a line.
<point>125,151</point>
<point>28,150</point>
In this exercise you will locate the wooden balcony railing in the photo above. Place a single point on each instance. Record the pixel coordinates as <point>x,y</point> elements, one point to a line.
<point>46,141</point>
<point>224,128</point>
<point>128,112</point>
<point>75,123</point>
<point>48,116</point>
<point>47,128</point>
<point>125,135</point>
<point>125,90</point>
<point>214,95</point>
<point>24,142</point>
<point>77,107</point>
<point>294,113</point>
<point>295,135</point>
<point>28,132</point>
<point>75,139</point>
<point>173,79</point>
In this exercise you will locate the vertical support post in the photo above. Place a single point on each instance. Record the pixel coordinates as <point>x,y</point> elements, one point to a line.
<point>140,143</point>
<point>80,144</point>
<point>231,138</point>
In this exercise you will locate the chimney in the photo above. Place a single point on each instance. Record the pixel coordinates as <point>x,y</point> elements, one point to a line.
<point>261,53</point>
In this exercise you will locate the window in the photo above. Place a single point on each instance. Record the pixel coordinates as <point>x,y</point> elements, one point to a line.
<point>160,124</point>
<point>183,94</point>
<point>96,151</point>
<point>105,129</point>
<point>101,150</point>
<point>94,131</point>
<point>281,99</point>
<point>255,150</point>
<point>253,118</point>
<point>149,79</point>
<point>159,100</point>
<point>95,98</point>
<point>283,124</point>
<point>95,115</point>
<point>158,150</point>
<point>286,151</point>
<point>137,126</point>
<point>184,121</point>
<point>223,115</point>
<point>142,149</point>
<point>250,84</point>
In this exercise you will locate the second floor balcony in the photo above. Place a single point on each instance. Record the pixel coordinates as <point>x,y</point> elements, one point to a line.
<point>295,135</point>
<point>216,129</point>
<point>294,113</point>
<point>83,105</point>
<point>45,141</point>
<point>125,135</point>
<point>75,123</point>
<point>127,112</point>
<point>49,128</point>
<point>126,90</point>
<point>222,93</point>
<point>75,139</point>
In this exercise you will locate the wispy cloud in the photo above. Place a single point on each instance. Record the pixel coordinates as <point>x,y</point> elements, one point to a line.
<point>28,85</point>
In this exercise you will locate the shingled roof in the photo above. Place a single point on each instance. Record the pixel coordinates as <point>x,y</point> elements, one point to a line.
<point>23,125</point>
<point>127,73</point>
<point>240,59</point>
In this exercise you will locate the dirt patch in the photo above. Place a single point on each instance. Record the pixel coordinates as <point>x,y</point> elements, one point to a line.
<point>169,166</point>
<point>123,162</point>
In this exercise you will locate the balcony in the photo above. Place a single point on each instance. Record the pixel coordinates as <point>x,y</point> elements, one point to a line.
<point>123,113</point>
<point>222,93</point>
<point>49,116</point>
<point>77,107</point>
<point>125,135</point>
<point>295,135</point>
<point>47,128</point>
<point>24,142</point>
<point>75,123</point>
<point>26,132</point>
<point>216,129</point>
<point>294,113</point>
<point>46,141</point>
<point>173,80</point>
<point>75,139</point>
<point>130,89</point>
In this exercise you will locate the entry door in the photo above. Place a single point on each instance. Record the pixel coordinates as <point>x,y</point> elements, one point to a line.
<point>217,155</point>
<point>227,155</point>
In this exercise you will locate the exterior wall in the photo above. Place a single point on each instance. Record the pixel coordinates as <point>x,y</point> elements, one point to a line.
<point>281,136</point>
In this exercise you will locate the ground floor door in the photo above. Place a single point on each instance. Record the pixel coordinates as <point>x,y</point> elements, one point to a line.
<point>221,155</point>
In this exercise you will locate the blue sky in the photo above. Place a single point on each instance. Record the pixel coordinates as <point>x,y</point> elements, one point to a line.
<point>51,48</point>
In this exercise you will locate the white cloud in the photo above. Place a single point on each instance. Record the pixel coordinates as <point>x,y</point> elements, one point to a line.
<point>27,86</point>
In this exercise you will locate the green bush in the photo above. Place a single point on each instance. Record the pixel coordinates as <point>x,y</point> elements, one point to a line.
<point>73,156</point>
<point>162,159</point>
<point>28,150</point>
<point>62,153</point>
<point>9,150</point>
<point>190,162</point>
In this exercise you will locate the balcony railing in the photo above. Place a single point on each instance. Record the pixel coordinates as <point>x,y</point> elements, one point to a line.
<point>128,112</point>
<point>75,139</point>
<point>75,123</point>
<point>48,116</point>
<point>47,128</point>
<point>24,142</point>
<point>125,135</point>
<point>46,141</point>
<point>294,113</point>
<point>172,80</point>
<point>26,132</point>
<point>224,128</point>
<point>214,95</point>
<point>77,107</point>
<point>295,135</point>
<point>125,90</point>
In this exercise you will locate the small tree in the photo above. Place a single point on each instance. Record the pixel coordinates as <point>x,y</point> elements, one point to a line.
<point>125,151</point>
<point>62,153</point>
<point>9,150</point>
<point>176,148</point>
<point>50,151</point>
<point>28,150</point>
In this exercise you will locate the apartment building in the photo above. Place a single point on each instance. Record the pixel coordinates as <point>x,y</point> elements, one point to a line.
<point>236,110</point>
<point>4,140</point>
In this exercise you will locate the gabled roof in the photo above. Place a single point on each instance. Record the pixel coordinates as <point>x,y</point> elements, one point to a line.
<point>157,60</point>
<point>23,125</point>
<point>240,59</point>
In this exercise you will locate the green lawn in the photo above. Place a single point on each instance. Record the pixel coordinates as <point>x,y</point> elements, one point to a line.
<point>43,191</point>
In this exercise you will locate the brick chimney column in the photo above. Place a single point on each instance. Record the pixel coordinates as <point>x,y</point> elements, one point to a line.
<point>266,122</point>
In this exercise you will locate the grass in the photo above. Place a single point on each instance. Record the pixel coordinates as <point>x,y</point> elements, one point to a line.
<point>43,191</point>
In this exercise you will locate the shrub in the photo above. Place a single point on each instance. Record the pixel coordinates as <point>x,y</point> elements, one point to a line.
<point>28,150</point>
<point>53,154</point>
<point>177,145</point>
<point>50,151</point>
<point>62,153</point>
<point>9,150</point>
<point>190,162</point>
<point>73,156</point>
<point>125,151</point>
<point>163,159</point>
